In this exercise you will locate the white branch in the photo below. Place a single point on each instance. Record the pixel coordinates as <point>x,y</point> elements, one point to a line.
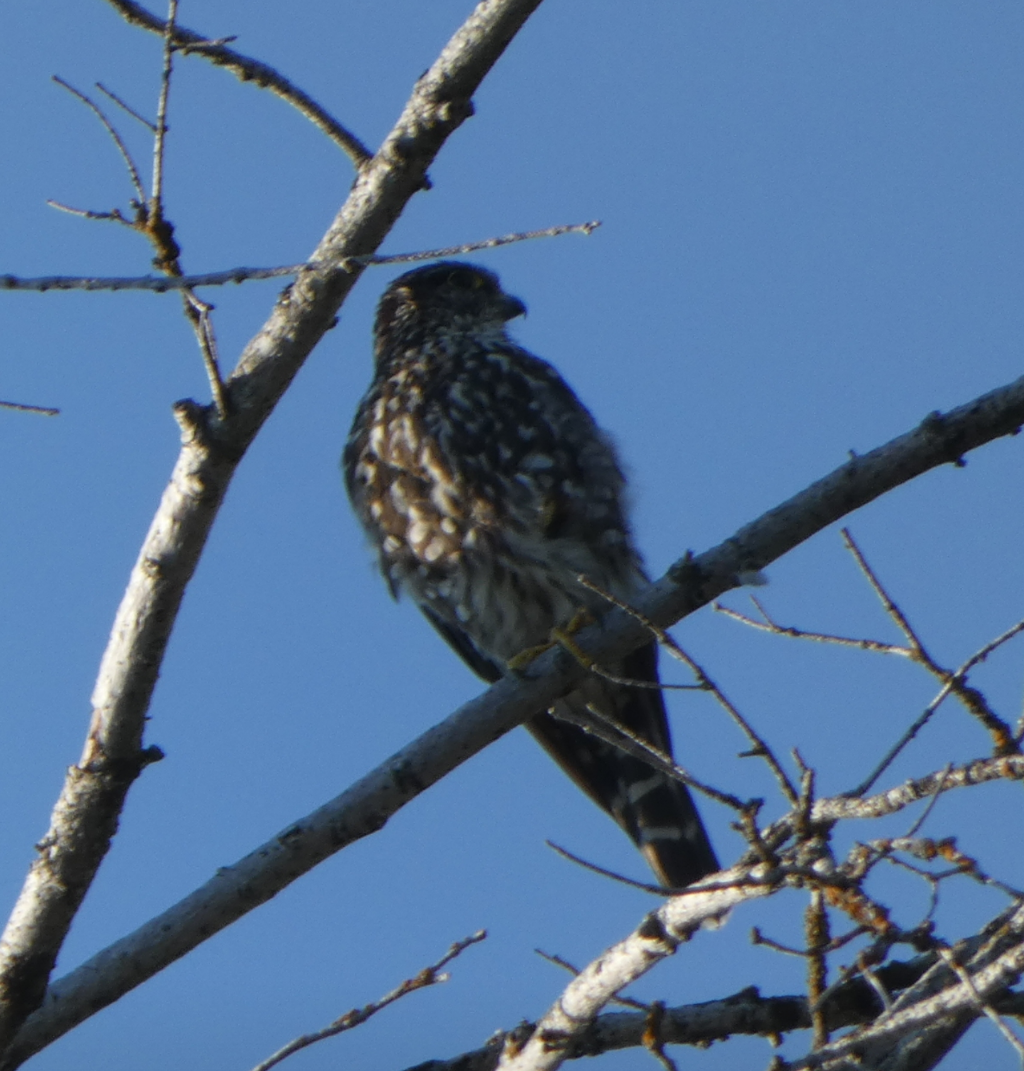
<point>85,816</point>
<point>365,807</point>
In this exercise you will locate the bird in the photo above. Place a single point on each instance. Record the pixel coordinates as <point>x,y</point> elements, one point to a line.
<point>487,489</point>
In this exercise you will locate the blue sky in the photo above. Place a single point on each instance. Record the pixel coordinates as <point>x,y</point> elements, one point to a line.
<point>812,233</point>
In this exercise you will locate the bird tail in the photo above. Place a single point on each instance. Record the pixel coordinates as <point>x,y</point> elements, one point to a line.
<point>656,811</point>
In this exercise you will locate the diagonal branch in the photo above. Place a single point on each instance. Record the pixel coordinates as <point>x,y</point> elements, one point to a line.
<point>85,816</point>
<point>249,70</point>
<point>366,806</point>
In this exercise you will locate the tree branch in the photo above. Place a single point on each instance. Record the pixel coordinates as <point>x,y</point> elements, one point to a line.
<point>745,1013</point>
<point>161,284</point>
<point>85,816</point>
<point>248,70</point>
<point>366,806</point>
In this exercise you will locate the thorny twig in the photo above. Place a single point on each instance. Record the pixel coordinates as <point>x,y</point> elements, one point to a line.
<point>429,976</point>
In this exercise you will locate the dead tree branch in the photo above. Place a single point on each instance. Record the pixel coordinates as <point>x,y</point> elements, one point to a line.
<point>691,583</point>
<point>164,284</point>
<point>247,69</point>
<point>745,1013</point>
<point>86,814</point>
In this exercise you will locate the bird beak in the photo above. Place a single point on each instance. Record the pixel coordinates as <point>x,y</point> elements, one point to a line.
<point>511,307</point>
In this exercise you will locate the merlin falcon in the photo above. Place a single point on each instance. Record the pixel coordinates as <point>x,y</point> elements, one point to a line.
<point>486,488</point>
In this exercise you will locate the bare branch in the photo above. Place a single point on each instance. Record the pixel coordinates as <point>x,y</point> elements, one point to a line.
<point>161,284</point>
<point>950,960</point>
<point>129,163</point>
<point>86,814</point>
<point>127,108</point>
<point>744,1013</point>
<point>768,624</point>
<point>160,134</point>
<point>1002,736</point>
<point>249,70</point>
<point>760,747</point>
<point>365,807</point>
<point>21,407</point>
<point>980,771</point>
<point>429,976</point>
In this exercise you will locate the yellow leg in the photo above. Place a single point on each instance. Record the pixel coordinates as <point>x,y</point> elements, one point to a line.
<point>561,636</point>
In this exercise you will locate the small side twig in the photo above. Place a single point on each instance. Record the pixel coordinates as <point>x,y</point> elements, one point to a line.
<point>127,108</point>
<point>160,134</point>
<point>1002,736</point>
<point>429,976</point>
<point>248,70</point>
<point>653,1039</point>
<point>594,868</point>
<point>129,163</point>
<point>769,624</point>
<point>21,407</point>
<point>759,747</point>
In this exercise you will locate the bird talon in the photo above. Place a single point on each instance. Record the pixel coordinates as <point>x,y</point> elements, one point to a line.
<point>558,637</point>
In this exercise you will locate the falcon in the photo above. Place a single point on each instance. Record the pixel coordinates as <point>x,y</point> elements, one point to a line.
<point>486,488</point>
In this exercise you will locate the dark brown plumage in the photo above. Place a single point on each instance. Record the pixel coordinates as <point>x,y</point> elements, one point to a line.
<point>486,488</point>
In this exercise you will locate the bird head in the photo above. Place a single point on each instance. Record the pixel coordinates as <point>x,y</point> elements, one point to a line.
<point>448,294</point>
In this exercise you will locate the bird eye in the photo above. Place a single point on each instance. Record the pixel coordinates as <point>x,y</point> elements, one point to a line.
<point>467,280</point>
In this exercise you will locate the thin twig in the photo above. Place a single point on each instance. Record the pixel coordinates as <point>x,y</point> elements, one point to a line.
<point>633,883</point>
<point>114,215</point>
<point>1002,736</point>
<point>21,407</point>
<point>948,688</point>
<point>760,748</point>
<point>151,127</point>
<point>923,817</point>
<point>620,736</point>
<point>160,285</point>
<point>429,976</point>
<point>133,171</point>
<point>891,755</point>
<point>585,229</point>
<point>197,312</point>
<point>770,625</point>
<point>160,134</point>
<point>251,71</point>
